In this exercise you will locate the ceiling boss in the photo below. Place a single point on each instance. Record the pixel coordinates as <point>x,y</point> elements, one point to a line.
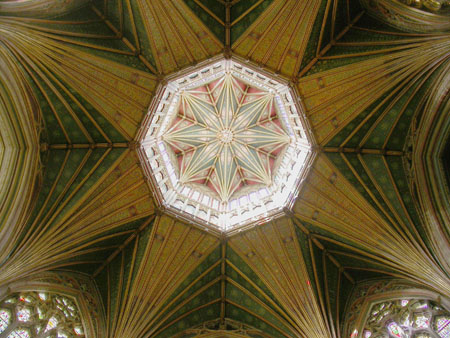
<point>225,145</point>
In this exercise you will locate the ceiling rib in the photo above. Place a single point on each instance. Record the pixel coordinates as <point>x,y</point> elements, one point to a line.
<point>363,151</point>
<point>123,245</point>
<point>325,49</point>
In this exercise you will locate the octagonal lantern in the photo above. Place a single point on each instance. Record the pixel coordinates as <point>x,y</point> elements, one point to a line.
<point>225,145</point>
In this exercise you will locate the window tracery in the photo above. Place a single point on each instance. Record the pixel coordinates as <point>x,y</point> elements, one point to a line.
<point>39,315</point>
<point>407,318</point>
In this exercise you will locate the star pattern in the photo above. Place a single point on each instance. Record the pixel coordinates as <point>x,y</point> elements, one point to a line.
<point>227,136</point>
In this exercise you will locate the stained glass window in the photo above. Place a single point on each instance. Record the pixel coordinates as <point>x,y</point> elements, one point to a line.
<point>442,326</point>
<point>5,318</point>
<point>42,315</point>
<point>24,314</point>
<point>421,321</point>
<point>52,323</point>
<point>407,318</point>
<point>20,333</point>
<point>395,330</point>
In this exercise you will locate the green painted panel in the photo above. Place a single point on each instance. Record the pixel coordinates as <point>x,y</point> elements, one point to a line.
<point>144,237</point>
<point>382,130</point>
<point>209,295</point>
<point>353,35</point>
<point>247,271</point>
<point>113,12</point>
<point>342,16</point>
<point>332,275</point>
<point>196,318</point>
<point>239,8</point>
<point>396,167</point>
<point>53,163</point>
<point>413,110</point>
<point>74,161</point>
<point>242,316</point>
<point>102,284</point>
<point>53,131</point>
<point>144,42</point>
<point>86,263</point>
<point>236,277</point>
<point>345,292</point>
<point>313,41</point>
<point>201,268</point>
<point>371,23</point>
<point>128,26</point>
<point>95,176</point>
<point>114,282</point>
<point>317,254</point>
<point>217,9</point>
<point>302,238</point>
<point>67,29</point>
<point>346,171</point>
<point>239,297</point>
<point>104,124</point>
<point>356,139</point>
<point>101,43</point>
<point>186,293</point>
<point>379,171</point>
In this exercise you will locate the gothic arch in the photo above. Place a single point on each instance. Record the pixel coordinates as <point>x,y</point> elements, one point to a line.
<point>78,290</point>
<point>395,298</point>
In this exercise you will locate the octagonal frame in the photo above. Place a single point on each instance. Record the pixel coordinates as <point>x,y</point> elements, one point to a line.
<point>251,70</point>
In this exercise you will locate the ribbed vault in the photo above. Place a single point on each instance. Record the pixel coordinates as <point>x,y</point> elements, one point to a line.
<point>79,83</point>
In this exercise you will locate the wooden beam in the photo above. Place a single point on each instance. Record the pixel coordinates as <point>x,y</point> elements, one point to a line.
<point>65,146</point>
<point>363,151</point>
<point>223,284</point>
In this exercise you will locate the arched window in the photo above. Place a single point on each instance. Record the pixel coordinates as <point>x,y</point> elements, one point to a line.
<point>407,318</point>
<point>39,315</point>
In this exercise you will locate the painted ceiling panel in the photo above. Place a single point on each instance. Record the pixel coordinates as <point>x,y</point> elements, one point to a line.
<point>359,85</point>
<point>201,287</point>
<point>364,39</point>
<point>247,294</point>
<point>160,273</point>
<point>393,194</point>
<point>280,265</point>
<point>39,8</point>
<point>314,45</point>
<point>277,38</point>
<point>20,126</point>
<point>119,96</point>
<point>243,14</point>
<point>240,314</point>
<point>362,224</point>
<point>159,30</point>
<point>200,309</point>
<point>384,124</point>
<point>212,14</point>
<point>69,218</point>
<point>238,271</point>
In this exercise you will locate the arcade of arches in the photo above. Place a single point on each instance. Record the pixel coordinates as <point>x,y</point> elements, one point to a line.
<point>224,168</point>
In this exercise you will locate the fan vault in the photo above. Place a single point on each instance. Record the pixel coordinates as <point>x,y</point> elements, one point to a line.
<point>79,219</point>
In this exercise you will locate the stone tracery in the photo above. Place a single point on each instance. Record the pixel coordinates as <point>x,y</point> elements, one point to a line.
<point>39,314</point>
<point>404,318</point>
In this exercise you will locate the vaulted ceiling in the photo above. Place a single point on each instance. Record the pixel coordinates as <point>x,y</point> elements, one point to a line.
<point>80,76</point>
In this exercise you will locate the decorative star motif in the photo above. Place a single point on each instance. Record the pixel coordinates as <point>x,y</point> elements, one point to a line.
<point>227,135</point>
